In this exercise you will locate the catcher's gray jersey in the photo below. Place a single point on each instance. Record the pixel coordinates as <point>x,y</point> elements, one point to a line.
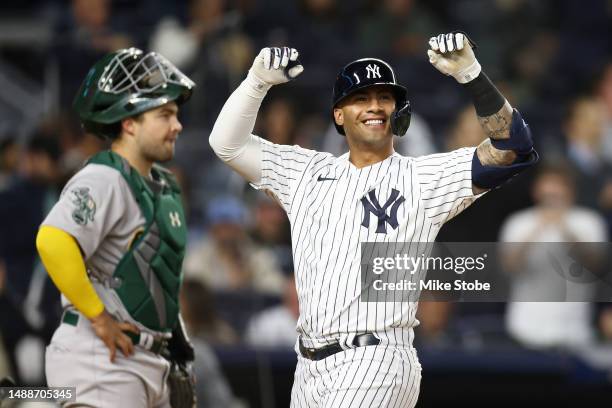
<point>333,207</point>
<point>98,209</point>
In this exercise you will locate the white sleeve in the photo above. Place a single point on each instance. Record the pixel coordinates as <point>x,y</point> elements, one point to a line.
<point>231,137</point>
<point>270,167</point>
<point>445,181</point>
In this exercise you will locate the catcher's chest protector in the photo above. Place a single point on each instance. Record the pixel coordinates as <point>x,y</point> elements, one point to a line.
<point>148,277</point>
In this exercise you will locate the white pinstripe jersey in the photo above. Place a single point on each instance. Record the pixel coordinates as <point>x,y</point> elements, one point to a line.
<point>324,198</point>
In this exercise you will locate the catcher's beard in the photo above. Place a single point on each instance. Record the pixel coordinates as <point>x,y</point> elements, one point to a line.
<point>157,153</point>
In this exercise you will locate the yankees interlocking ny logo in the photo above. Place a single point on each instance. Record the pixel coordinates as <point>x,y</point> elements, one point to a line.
<point>373,71</point>
<point>175,219</point>
<point>372,206</point>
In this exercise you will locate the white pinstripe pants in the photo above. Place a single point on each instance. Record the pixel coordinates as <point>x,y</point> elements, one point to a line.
<point>385,376</point>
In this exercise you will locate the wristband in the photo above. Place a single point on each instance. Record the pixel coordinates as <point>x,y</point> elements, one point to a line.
<point>256,87</point>
<point>487,98</point>
<point>468,74</point>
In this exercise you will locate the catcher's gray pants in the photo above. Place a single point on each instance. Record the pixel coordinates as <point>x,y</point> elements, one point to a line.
<point>371,376</point>
<point>76,357</point>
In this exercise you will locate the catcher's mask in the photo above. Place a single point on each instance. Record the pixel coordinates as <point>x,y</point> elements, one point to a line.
<point>368,72</point>
<point>126,83</point>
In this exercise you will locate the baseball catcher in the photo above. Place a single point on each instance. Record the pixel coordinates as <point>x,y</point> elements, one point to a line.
<point>114,244</point>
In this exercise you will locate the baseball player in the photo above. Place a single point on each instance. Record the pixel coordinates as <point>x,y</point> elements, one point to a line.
<point>114,243</point>
<point>353,353</point>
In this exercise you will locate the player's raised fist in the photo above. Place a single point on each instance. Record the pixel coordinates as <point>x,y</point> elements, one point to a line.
<point>276,65</point>
<point>452,55</point>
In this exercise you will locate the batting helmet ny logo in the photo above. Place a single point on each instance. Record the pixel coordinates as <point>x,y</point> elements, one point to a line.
<point>373,206</point>
<point>373,71</point>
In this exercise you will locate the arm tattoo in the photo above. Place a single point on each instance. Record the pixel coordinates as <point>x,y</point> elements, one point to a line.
<point>497,125</point>
<point>490,156</point>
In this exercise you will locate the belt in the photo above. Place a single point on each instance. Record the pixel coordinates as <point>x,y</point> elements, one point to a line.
<point>367,339</point>
<point>144,340</point>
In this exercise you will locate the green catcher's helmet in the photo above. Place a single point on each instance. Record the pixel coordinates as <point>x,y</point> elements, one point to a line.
<point>125,83</point>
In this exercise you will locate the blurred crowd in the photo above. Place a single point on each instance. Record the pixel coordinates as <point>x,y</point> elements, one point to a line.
<point>552,59</point>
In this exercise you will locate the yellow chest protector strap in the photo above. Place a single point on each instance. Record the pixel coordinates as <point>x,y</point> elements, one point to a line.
<point>62,258</point>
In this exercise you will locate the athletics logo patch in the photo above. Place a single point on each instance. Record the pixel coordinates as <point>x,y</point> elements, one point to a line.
<point>372,206</point>
<point>85,205</point>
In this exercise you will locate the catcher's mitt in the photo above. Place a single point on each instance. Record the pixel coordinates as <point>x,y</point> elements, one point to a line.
<point>182,386</point>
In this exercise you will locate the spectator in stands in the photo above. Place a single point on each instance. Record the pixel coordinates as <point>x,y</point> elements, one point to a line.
<point>23,206</point>
<point>30,305</point>
<point>75,144</point>
<point>9,158</point>
<point>228,259</point>
<point>89,32</point>
<point>93,19</point>
<point>466,131</point>
<point>604,92</point>
<point>396,28</point>
<point>555,217</point>
<point>279,122</point>
<point>282,122</point>
<point>319,30</point>
<point>584,131</point>
<point>204,328</point>
<point>276,326</point>
<point>320,22</point>
<point>271,230</point>
<point>181,44</point>
<point>532,57</point>
<point>5,369</point>
<point>605,324</point>
<point>434,317</point>
<point>200,313</point>
<point>583,30</point>
<point>211,48</point>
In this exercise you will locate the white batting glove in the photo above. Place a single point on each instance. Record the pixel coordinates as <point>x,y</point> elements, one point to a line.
<point>452,55</point>
<point>274,66</point>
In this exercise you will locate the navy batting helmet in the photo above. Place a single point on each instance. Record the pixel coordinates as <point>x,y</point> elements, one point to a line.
<point>367,72</point>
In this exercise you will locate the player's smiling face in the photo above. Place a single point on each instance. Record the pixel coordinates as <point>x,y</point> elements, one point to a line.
<point>156,132</point>
<point>365,114</point>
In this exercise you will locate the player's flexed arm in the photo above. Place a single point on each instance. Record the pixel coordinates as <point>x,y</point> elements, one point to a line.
<point>231,137</point>
<point>509,148</point>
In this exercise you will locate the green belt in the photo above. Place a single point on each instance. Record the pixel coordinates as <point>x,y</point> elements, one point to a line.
<point>157,346</point>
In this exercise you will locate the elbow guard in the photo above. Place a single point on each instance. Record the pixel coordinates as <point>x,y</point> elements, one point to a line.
<point>520,141</point>
<point>489,177</point>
